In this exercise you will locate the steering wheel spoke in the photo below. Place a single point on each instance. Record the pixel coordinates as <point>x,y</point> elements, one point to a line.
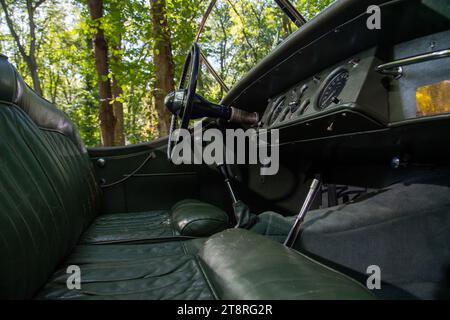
<point>190,90</point>
<point>191,67</point>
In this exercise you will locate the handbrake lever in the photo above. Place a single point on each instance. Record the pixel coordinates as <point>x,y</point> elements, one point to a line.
<point>295,230</point>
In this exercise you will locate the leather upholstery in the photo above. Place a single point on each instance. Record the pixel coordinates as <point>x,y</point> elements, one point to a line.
<point>198,219</point>
<point>93,254</point>
<point>13,89</point>
<point>234,264</point>
<point>164,277</point>
<point>48,196</point>
<point>167,270</point>
<point>129,226</point>
<point>188,217</point>
<point>244,265</point>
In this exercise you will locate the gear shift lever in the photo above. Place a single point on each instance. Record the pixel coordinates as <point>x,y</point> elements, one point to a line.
<point>224,172</point>
<point>244,219</point>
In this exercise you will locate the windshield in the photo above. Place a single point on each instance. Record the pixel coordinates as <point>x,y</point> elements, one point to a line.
<point>238,34</point>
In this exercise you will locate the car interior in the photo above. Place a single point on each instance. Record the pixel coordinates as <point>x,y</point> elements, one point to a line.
<point>365,111</point>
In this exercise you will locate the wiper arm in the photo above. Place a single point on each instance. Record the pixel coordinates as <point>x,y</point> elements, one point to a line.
<point>204,19</point>
<point>213,72</point>
<point>205,61</point>
<point>291,12</point>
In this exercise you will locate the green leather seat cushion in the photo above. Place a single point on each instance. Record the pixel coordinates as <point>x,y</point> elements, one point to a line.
<point>163,277</point>
<point>188,217</point>
<point>129,226</point>
<point>165,270</point>
<point>233,264</point>
<point>89,254</point>
<point>244,265</point>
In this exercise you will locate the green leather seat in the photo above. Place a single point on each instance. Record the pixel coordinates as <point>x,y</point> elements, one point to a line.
<point>234,264</point>
<point>49,199</point>
<point>191,218</point>
<point>49,219</point>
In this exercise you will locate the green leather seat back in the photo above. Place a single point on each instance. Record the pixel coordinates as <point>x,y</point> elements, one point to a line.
<point>48,192</point>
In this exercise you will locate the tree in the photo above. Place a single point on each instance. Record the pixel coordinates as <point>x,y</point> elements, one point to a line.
<point>109,66</point>
<point>107,118</point>
<point>163,60</point>
<point>114,33</point>
<point>30,56</point>
<point>117,92</point>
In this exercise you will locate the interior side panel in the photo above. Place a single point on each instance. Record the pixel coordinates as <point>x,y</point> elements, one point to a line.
<point>158,184</point>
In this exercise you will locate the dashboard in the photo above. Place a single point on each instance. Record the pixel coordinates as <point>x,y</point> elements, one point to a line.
<point>323,81</point>
<point>323,90</point>
<point>350,88</point>
<point>353,96</point>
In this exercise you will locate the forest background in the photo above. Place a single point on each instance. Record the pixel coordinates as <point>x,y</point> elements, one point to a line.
<point>109,63</point>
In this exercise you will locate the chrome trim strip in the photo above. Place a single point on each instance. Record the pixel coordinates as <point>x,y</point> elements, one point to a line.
<point>388,67</point>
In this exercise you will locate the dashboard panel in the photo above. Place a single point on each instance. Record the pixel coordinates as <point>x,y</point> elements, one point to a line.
<point>349,86</point>
<point>331,37</point>
<point>326,73</point>
<point>321,105</point>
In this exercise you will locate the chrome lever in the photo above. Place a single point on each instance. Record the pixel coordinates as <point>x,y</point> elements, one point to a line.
<point>395,69</point>
<point>295,230</point>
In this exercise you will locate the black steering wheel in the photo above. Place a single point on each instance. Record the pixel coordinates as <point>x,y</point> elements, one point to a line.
<point>191,65</point>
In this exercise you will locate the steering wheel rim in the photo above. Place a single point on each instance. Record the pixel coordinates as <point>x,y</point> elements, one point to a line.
<point>192,61</point>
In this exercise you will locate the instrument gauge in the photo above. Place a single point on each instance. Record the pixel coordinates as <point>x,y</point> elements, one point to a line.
<point>276,110</point>
<point>332,88</point>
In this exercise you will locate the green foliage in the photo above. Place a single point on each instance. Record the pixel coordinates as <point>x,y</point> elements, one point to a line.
<point>238,35</point>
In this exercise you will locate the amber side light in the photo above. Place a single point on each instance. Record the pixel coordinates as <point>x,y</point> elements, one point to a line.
<point>433,99</point>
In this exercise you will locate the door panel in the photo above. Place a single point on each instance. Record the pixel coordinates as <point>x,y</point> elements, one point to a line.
<point>158,184</point>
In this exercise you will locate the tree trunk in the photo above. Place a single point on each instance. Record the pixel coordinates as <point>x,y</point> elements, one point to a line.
<point>223,51</point>
<point>106,114</point>
<point>33,68</point>
<point>117,91</point>
<point>32,65</point>
<point>164,65</point>
<point>119,136</point>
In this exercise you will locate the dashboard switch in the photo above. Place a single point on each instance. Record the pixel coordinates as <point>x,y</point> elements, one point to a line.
<point>330,127</point>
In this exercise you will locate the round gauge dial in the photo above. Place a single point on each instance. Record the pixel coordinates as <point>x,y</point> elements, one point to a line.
<point>332,88</point>
<point>276,110</point>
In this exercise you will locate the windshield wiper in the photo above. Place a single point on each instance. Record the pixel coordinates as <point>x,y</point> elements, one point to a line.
<point>204,19</point>
<point>291,12</point>
<point>285,5</point>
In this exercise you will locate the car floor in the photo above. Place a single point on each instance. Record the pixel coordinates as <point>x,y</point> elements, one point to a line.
<point>404,229</point>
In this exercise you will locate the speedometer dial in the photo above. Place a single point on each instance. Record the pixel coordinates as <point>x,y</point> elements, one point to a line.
<point>332,88</point>
<point>277,108</point>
